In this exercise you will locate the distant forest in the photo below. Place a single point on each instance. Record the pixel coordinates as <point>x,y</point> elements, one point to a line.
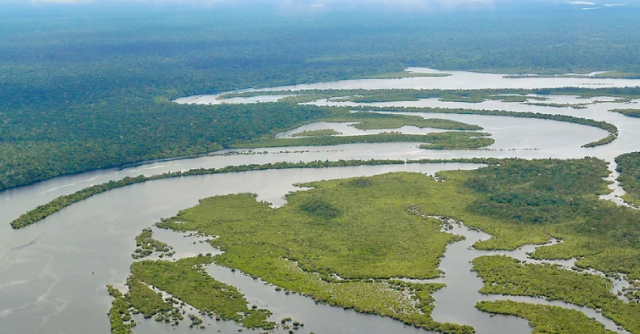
<point>84,87</point>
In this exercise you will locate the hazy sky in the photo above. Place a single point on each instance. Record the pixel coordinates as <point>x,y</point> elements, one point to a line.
<point>300,4</point>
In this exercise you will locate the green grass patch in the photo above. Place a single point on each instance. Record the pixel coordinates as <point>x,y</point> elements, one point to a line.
<point>119,315</point>
<point>316,229</point>
<point>505,275</point>
<point>187,280</point>
<point>356,229</point>
<point>367,228</point>
<point>146,245</point>
<point>546,319</point>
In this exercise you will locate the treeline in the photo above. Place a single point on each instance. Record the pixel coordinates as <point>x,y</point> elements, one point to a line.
<point>39,146</point>
<point>59,203</point>
<point>612,129</point>
<point>628,112</point>
<point>96,98</point>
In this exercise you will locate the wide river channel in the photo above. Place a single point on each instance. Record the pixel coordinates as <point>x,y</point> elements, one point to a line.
<point>53,274</point>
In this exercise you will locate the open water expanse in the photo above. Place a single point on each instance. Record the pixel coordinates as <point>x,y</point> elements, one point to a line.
<point>53,274</point>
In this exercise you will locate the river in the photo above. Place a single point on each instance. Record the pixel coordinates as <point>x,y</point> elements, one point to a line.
<point>53,274</point>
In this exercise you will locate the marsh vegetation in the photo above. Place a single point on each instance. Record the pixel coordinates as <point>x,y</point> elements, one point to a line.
<point>352,228</point>
<point>546,319</point>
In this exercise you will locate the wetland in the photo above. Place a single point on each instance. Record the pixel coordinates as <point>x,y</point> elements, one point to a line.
<point>401,221</point>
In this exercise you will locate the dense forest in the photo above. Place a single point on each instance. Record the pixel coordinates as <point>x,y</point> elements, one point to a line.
<point>88,87</point>
<point>38,146</point>
<point>629,169</point>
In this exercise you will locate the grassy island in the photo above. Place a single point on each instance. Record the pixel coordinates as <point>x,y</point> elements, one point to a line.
<point>320,232</point>
<point>187,282</point>
<point>505,275</point>
<point>349,228</point>
<point>546,319</point>
<point>432,141</point>
<point>345,242</point>
<point>146,245</point>
<point>317,133</point>
<point>376,121</point>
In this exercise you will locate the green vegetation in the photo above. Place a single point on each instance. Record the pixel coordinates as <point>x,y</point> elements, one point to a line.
<point>379,228</point>
<point>406,74</point>
<point>88,88</point>
<point>604,141</point>
<point>300,246</point>
<point>467,96</point>
<point>558,199</point>
<point>612,129</point>
<point>629,169</point>
<point>119,315</point>
<point>538,192</point>
<point>505,275</point>
<point>559,105</point>
<point>519,202</point>
<point>147,245</point>
<point>546,319</point>
<point>148,302</point>
<point>26,157</point>
<point>187,280</point>
<point>317,133</point>
<point>140,299</point>
<point>434,141</point>
<point>375,121</point>
<point>59,203</point>
<point>370,96</point>
<point>618,75</point>
<point>315,223</point>
<point>628,112</point>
